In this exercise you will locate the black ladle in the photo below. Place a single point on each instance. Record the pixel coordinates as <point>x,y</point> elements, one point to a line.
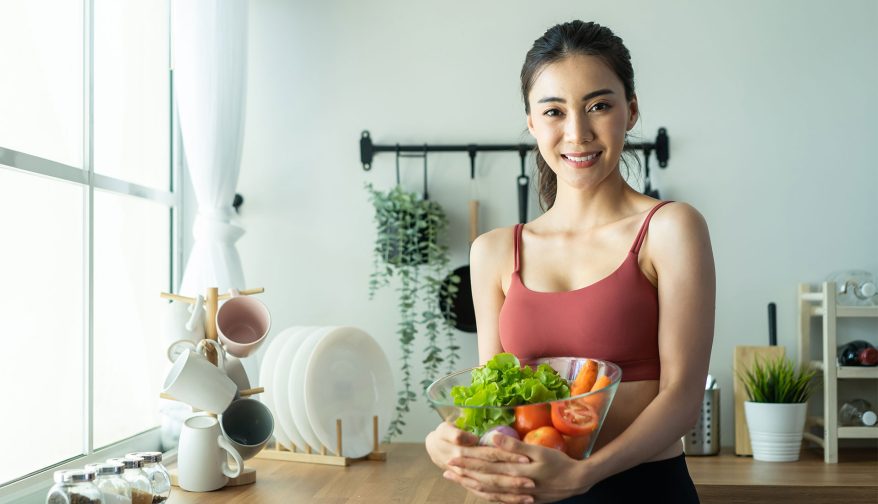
<point>523,182</point>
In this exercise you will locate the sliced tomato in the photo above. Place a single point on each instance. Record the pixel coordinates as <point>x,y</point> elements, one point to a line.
<point>546,436</point>
<point>574,418</point>
<point>530,417</point>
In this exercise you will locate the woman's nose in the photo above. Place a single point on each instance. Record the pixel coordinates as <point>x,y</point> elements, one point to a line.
<point>577,129</point>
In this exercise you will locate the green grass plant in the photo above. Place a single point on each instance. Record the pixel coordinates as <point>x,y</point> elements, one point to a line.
<point>777,381</point>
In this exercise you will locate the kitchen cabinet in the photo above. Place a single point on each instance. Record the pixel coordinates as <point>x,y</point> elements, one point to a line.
<point>820,301</point>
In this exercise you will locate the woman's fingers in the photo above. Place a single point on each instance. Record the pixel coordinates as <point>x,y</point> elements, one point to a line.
<point>478,488</point>
<point>493,482</point>
<point>491,455</point>
<point>487,466</point>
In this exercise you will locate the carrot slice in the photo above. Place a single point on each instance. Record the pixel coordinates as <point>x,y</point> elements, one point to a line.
<point>601,382</point>
<point>585,379</point>
<point>598,400</point>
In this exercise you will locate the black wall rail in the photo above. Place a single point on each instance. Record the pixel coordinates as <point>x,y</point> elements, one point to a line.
<point>661,146</point>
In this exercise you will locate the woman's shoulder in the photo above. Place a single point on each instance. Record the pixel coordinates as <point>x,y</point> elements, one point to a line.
<point>494,242</point>
<point>675,227</point>
<point>677,217</point>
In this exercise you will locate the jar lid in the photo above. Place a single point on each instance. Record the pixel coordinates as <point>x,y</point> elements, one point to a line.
<point>869,418</point>
<point>128,462</point>
<point>106,468</point>
<point>73,475</point>
<point>148,457</point>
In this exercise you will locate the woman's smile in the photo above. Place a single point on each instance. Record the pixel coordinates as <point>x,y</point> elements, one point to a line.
<point>581,159</point>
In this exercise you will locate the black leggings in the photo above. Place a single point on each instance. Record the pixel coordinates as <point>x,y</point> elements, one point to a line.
<point>660,481</point>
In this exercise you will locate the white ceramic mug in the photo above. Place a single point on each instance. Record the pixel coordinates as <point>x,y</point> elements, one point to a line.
<point>202,464</point>
<point>242,322</point>
<point>182,321</point>
<point>198,383</point>
<point>232,366</point>
<point>248,425</point>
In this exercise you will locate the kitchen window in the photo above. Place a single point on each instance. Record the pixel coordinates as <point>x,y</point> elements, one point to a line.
<point>89,229</point>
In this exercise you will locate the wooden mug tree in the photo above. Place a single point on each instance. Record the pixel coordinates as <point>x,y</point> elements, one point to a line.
<point>275,452</point>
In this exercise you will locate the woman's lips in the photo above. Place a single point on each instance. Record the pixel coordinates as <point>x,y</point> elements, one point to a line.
<point>582,160</point>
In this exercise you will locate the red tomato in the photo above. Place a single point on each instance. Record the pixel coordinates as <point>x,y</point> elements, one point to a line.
<point>530,417</point>
<point>574,418</point>
<point>576,446</point>
<point>546,436</point>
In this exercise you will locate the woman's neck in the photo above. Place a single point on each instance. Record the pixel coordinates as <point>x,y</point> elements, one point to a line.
<point>585,209</point>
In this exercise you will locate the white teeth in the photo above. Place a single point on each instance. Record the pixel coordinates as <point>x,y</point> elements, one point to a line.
<point>581,159</point>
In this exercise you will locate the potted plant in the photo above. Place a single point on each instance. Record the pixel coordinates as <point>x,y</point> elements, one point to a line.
<point>778,399</point>
<point>409,247</point>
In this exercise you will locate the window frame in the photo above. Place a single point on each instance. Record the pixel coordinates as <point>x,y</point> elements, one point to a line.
<point>32,487</point>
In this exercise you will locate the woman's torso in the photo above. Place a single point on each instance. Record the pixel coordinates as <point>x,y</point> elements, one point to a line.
<point>554,265</point>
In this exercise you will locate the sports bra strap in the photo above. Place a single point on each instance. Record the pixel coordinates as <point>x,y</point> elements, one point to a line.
<point>642,234</point>
<point>517,242</point>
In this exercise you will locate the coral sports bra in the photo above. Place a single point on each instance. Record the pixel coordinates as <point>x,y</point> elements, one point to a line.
<point>614,319</point>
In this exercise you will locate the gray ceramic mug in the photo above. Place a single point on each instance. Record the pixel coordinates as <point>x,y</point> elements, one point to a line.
<point>248,425</point>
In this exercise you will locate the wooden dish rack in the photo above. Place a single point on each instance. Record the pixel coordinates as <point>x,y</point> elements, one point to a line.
<point>273,451</point>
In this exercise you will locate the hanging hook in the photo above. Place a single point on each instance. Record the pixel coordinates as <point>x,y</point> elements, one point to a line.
<point>472,161</point>
<point>522,153</point>
<point>426,196</point>
<point>397,164</point>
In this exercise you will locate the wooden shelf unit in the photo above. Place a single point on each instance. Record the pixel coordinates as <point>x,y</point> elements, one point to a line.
<point>820,301</point>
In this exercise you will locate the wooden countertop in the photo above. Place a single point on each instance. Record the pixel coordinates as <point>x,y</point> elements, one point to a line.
<point>408,477</point>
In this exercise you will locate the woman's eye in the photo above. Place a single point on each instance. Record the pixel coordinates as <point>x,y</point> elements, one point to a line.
<point>552,113</point>
<point>599,107</point>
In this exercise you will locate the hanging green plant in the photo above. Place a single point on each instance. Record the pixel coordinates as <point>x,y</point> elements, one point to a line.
<point>408,246</point>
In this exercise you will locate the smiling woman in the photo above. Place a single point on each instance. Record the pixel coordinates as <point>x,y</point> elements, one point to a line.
<point>606,273</point>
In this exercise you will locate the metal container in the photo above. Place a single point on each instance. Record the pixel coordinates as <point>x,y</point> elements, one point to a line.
<point>704,438</point>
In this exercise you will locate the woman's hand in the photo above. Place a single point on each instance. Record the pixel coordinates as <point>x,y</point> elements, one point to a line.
<point>553,474</point>
<point>448,442</point>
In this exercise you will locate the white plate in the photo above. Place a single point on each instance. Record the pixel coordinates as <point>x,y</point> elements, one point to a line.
<point>348,376</point>
<point>280,384</point>
<point>297,380</point>
<point>266,377</point>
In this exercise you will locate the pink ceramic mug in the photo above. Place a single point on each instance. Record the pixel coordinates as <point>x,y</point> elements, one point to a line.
<point>242,322</point>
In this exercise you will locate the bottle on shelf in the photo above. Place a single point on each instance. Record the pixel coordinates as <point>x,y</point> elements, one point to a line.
<point>857,353</point>
<point>855,288</point>
<point>857,412</point>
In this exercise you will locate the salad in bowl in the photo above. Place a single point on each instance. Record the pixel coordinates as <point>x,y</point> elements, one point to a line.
<point>558,402</point>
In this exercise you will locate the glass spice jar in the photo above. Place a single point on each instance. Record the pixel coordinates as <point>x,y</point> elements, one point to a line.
<point>108,478</point>
<point>157,473</point>
<point>74,486</point>
<point>141,488</point>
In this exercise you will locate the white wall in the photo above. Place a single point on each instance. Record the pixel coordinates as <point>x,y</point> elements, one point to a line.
<point>770,107</point>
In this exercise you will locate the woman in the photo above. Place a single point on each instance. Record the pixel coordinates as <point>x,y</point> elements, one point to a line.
<point>555,287</point>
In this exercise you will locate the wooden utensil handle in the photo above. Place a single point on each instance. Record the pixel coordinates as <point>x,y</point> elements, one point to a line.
<point>473,220</point>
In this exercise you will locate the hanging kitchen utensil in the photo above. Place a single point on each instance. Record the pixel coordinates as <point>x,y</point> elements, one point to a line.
<point>523,182</point>
<point>462,301</point>
<point>647,185</point>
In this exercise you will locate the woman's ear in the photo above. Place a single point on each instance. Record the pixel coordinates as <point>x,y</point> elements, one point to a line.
<point>633,113</point>
<point>530,126</point>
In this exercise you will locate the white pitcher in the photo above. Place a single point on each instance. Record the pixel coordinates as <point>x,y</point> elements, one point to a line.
<point>202,464</point>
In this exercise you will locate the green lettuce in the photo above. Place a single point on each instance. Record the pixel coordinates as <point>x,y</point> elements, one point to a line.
<point>503,382</point>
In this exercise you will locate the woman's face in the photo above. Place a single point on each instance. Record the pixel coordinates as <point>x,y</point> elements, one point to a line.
<point>579,116</point>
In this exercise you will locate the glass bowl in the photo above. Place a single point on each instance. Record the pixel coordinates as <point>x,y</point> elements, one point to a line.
<point>578,418</point>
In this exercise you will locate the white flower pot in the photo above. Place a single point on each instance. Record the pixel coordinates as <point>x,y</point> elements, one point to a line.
<point>775,430</point>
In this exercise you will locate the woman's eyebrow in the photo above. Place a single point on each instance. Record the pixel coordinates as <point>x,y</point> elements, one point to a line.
<point>587,97</point>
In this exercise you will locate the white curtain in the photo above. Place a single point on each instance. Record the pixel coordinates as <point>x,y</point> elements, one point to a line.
<point>210,77</point>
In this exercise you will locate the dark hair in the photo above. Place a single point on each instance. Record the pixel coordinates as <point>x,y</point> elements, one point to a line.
<point>560,41</point>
